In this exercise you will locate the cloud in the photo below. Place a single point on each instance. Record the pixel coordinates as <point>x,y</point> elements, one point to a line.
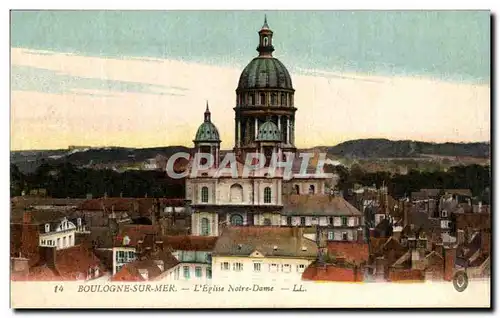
<point>28,78</point>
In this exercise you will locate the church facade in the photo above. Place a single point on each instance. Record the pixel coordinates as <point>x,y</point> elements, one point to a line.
<point>264,125</point>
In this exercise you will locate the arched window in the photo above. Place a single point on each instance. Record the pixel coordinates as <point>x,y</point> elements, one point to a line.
<point>266,41</point>
<point>262,98</point>
<point>311,189</point>
<point>205,227</point>
<point>267,195</point>
<point>252,99</point>
<point>236,219</point>
<point>283,99</point>
<point>274,98</point>
<point>236,193</point>
<point>204,194</point>
<point>297,189</point>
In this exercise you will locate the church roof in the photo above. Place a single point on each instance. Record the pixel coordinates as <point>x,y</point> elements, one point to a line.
<point>265,72</point>
<point>268,131</point>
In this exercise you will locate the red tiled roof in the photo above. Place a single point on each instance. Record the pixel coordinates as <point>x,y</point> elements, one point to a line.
<point>318,204</point>
<point>76,260</point>
<point>353,252</point>
<point>131,271</point>
<point>190,242</point>
<point>332,273</point>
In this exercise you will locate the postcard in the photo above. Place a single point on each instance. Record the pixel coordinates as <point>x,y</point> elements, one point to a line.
<point>250,159</point>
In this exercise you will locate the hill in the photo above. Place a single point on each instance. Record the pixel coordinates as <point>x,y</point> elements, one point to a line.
<point>384,148</point>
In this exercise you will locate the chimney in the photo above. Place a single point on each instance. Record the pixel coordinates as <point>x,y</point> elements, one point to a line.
<point>450,254</point>
<point>20,264</point>
<point>360,236</point>
<point>26,217</point>
<point>460,237</point>
<point>485,242</point>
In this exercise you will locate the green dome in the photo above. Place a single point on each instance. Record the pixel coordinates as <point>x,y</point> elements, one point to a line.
<point>269,132</point>
<point>207,133</point>
<point>265,72</point>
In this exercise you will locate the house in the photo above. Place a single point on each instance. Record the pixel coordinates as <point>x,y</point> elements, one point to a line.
<point>73,263</point>
<point>262,254</point>
<point>339,218</point>
<point>153,263</point>
<point>194,254</point>
<point>52,226</point>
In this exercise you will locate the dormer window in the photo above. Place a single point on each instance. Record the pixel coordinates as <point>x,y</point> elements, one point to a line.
<point>47,228</point>
<point>126,240</point>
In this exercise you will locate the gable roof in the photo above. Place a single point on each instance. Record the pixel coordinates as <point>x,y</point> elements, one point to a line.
<point>242,241</point>
<point>318,204</point>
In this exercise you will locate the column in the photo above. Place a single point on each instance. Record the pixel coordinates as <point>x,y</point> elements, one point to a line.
<point>256,128</point>
<point>287,129</point>
<point>239,132</point>
<point>293,131</point>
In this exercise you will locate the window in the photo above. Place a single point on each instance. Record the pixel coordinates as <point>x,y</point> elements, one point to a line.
<point>330,220</point>
<point>344,221</point>
<point>47,228</point>
<point>69,240</point>
<point>117,268</point>
<point>273,268</point>
<point>197,271</point>
<point>330,235</point>
<point>237,267</point>
<point>302,221</point>
<point>177,273</point>
<point>297,189</point>
<point>131,255</point>
<point>58,242</point>
<point>267,195</point>
<point>266,41</point>
<point>209,272</point>
<point>274,98</point>
<point>444,214</point>
<point>186,271</point>
<point>286,268</point>
<point>262,98</point>
<point>205,227</point>
<point>301,268</point>
<point>288,220</point>
<point>267,222</point>
<point>224,266</point>
<point>311,189</point>
<point>236,193</point>
<point>283,100</point>
<point>252,99</point>
<point>256,267</point>
<point>79,221</point>
<point>344,236</point>
<point>204,194</point>
<point>236,220</point>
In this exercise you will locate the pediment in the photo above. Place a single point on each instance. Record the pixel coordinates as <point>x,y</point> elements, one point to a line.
<point>257,253</point>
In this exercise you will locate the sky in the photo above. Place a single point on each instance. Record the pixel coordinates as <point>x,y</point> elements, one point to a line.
<point>142,78</point>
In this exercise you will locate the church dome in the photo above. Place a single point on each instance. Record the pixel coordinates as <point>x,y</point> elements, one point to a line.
<point>269,132</point>
<point>207,132</point>
<point>265,72</point>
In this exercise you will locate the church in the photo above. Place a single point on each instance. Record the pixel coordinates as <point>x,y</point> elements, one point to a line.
<point>265,119</point>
